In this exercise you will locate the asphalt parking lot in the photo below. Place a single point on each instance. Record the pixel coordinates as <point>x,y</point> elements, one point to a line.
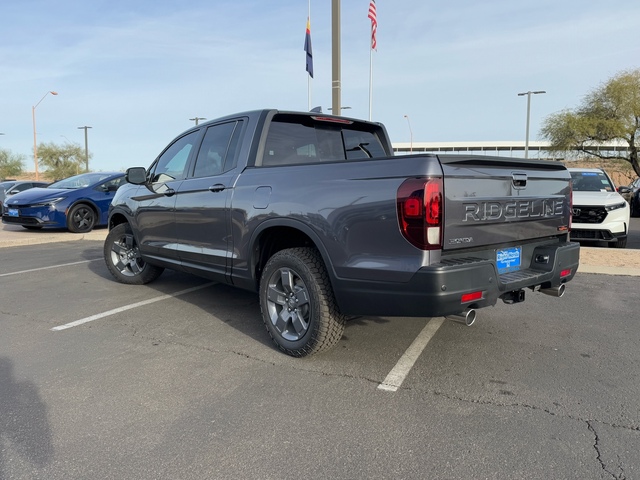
<point>178,379</point>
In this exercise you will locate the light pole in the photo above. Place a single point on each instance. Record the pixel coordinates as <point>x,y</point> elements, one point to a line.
<point>86,147</point>
<point>526,140</point>
<point>410,134</point>
<point>197,119</point>
<point>35,143</point>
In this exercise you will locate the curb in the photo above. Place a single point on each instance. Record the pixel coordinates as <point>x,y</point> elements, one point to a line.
<point>10,237</point>
<point>598,269</point>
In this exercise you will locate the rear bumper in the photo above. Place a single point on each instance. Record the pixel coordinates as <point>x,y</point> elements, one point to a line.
<point>437,290</point>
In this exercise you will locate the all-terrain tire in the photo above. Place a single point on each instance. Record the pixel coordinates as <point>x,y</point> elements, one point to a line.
<point>297,303</point>
<point>123,259</point>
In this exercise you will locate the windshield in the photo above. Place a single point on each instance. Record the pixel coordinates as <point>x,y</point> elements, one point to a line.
<point>591,182</point>
<point>80,181</point>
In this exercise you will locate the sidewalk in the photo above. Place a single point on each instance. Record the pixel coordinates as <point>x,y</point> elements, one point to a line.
<point>602,260</point>
<point>15,235</point>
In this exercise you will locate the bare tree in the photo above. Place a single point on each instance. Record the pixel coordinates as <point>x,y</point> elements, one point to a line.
<point>61,161</point>
<point>609,113</point>
<point>10,164</point>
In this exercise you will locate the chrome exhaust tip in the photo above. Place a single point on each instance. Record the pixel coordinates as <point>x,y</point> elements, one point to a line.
<point>468,317</point>
<point>554,291</point>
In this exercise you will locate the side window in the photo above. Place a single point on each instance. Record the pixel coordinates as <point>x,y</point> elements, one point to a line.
<point>22,187</point>
<point>212,154</point>
<point>113,185</point>
<point>172,163</point>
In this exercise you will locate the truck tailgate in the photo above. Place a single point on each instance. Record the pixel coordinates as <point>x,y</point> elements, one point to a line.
<point>493,200</point>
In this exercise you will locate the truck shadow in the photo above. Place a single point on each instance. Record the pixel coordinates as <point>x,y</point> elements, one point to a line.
<point>220,304</point>
<point>24,423</point>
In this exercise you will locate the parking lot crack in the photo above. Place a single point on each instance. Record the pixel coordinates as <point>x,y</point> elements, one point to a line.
<point>596,446</point>
<point>158,341</point>
<point>630,427</point>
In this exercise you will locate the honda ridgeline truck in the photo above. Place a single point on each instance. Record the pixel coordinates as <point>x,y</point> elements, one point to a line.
<point>315,214</point>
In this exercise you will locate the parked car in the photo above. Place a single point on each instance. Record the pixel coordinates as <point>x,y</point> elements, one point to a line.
<point>632,195</point>
<point>77,203</point>
<point>600,213</point>
<point>12,187</point>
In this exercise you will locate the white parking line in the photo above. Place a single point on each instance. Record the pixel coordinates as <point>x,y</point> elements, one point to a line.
<point>129,307</point>
<point>47,268</point>
<point>397,375</point>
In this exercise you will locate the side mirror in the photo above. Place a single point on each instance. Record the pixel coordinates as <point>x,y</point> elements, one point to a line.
<point>136,175</point>
<point>624,190</point>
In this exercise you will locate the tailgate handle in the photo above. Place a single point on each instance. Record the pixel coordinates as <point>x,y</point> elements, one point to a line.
<point>519,180</point>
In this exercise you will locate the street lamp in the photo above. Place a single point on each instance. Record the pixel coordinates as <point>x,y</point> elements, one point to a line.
<point>86,147</point>
<point>35,144</point>
<point>197,119</point>
<point>528,94</point>
<point>410,134</point>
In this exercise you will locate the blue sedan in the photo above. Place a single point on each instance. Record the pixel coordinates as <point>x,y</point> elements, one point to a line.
<point>78,203</point>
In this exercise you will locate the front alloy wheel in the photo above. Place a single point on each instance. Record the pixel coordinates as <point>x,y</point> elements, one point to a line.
<point>122,256</point>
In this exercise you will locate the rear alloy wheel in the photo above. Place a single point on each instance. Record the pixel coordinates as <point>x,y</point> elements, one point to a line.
<point>123,259</point>
<point>81,218</point>
<point>297,303</point>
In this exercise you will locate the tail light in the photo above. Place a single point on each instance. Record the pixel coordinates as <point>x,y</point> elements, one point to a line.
<point>420,208</point>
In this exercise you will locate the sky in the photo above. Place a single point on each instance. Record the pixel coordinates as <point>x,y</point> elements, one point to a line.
<point>136,72</point>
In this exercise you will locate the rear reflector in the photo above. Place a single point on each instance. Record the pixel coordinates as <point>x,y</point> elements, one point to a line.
<point>470,297</point>
<point>565,273</point>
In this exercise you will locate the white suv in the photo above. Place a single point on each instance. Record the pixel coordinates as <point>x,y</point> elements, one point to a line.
<point>600,214</point>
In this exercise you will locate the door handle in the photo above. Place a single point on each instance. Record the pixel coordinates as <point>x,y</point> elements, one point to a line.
<point>218,187</point>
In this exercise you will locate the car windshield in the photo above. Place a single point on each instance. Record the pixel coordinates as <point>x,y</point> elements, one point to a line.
<point>591,182</point>
<point>80,181</point>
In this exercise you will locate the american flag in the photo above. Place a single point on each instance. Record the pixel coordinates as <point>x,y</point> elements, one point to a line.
<point>374,24</point>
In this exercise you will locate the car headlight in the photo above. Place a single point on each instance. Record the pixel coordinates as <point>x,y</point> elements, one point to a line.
<point>608,208</point>
<point>49,203</point>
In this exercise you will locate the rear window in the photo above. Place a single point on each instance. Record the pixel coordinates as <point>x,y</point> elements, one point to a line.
<point>591,182</point>
<point>293,140</point>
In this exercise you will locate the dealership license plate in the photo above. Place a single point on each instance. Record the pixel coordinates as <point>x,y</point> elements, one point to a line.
<point>509,259</point>
<point>13,212</point>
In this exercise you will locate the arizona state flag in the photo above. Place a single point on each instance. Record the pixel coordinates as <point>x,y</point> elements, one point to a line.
<point>307,48</point>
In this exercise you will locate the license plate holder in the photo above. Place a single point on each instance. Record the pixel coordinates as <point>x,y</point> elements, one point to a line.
<point>509,259</point>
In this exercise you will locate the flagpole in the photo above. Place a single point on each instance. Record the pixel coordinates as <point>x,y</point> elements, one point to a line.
<point>370,82</point>
<point>373,16</point>
<point>309,76</point>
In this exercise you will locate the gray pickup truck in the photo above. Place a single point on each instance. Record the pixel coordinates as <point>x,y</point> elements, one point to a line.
<point>315,214</point>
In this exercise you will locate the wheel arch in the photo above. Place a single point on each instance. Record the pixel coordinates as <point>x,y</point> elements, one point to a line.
<point>89,203</point>
<point>278,234</point>
<point>116,218</point>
